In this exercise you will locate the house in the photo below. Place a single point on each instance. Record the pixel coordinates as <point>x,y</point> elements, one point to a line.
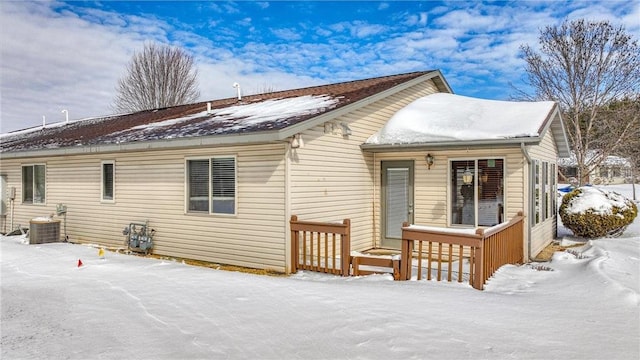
<point>219,180</point>
<point>611,170</point>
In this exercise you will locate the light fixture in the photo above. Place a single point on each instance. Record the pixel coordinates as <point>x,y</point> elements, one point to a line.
<point>346,130</point>
<point>296,141</point>
<point>484,177</point>
<point>429,159</point>
<point>467,176</point>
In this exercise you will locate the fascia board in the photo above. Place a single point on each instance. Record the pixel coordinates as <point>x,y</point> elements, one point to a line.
<point>233,139</point>
<point>240,139</point>
<point>450,145</point>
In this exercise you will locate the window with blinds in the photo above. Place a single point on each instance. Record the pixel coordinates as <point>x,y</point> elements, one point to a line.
<point>223,185</point>
<point>477,192</point>
<point>211,185</point>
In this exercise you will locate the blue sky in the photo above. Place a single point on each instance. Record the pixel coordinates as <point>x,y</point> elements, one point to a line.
<point>69,55</point>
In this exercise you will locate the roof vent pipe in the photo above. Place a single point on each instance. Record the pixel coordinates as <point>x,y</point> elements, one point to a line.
<point>208,108</point>
<point>66,115</point>
<point>237,86</point>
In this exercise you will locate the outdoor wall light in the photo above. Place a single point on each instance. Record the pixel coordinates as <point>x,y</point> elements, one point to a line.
<point>429,159</point>
<point>467,177</point>
<point>346,130</point>
<point>296,141</point>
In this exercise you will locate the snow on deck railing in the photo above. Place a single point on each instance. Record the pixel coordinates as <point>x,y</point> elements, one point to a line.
<point>483,249</point>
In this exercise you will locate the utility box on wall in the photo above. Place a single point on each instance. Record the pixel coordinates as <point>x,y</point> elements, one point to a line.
<point>44,231</point>
<point>4,195</point>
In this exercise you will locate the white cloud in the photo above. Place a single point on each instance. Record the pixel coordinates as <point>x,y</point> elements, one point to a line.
<point>262,4</point>
<point>63,55</point>
<point>75,66</point>
<point>244,22</point>
<point>286,34</point>
<point>419,19</point>
<point>358,29</point>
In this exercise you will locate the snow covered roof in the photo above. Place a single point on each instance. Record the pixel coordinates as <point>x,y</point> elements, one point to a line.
<point>610,160</point>
<point>256,118</point>
<point>443,118</point>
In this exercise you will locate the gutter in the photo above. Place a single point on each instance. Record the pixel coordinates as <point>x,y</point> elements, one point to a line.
<point>487,143</point>
<point>223,139</point>
<point>530,195</point>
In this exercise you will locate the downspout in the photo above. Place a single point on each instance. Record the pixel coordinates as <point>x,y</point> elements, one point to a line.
<point>287,208</point>
<point>373,200</point>
<point>530,195</point>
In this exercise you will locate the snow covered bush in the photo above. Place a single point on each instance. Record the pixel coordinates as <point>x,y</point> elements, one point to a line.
<point>591,212</point>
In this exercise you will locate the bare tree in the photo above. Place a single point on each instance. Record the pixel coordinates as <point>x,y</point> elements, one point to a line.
<point>265,89</point>
<point>584,66</point>
<point>159,76</point>
<point>629,111</point>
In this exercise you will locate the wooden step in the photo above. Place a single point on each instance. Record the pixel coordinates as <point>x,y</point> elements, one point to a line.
<point>385,265</point>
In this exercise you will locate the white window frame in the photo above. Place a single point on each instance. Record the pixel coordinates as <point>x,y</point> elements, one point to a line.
<point>544,185</point>
<point>210,196</point>
<point>475,160</point>
<point>554,189</point>
<point>33,184</point>
<point>537,192</point>
<point>113,181</point>
<point>544,191</point>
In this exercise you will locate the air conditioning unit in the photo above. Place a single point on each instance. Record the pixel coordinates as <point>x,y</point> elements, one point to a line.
<point>44,231</point>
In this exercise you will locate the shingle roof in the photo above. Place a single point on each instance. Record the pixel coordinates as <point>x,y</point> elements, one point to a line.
<point>192,120</point>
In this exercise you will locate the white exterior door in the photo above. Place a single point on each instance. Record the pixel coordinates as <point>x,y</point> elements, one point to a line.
<point>397,200</point>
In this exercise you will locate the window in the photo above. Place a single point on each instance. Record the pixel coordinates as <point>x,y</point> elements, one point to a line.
<point>569,171</point>
<point>108,180</point>
<point>211,185</point>
<point>536,189</point>
<point>554,190</point>
<point>477,188</point>
<point>544,190</point>
<point>616,171</point>
<point>33,184</point>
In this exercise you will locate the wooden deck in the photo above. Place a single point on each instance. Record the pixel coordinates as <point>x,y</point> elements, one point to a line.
<point>428,252</point>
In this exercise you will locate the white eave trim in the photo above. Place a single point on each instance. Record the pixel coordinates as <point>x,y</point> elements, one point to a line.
<point>492,143</point>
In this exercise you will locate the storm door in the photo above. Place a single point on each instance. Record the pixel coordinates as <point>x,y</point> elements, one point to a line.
<point>396,200</point>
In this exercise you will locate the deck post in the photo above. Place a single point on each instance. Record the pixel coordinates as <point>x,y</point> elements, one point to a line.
<point>406,256</point>
<point>478,263</point>
<point>345,256</point>
<point>295,247</point>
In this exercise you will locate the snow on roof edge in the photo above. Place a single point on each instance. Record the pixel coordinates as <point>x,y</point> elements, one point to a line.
<point>447,117</point>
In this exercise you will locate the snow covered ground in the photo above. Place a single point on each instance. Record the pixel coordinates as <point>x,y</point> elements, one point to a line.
<point>129,307</point>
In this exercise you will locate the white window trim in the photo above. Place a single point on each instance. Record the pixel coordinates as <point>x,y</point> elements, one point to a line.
<point>475,183</point>
<point>186,185</point>
<point>102,164</point>
<point>46,191</point>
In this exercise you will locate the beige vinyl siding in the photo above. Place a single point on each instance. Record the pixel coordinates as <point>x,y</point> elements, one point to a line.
<point>431,191</point>
<point>151,186</point>
<point>332,178</point>
<point>542,234</point>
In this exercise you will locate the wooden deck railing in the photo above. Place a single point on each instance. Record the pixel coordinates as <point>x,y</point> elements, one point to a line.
<point>320,247</point>
<point>485,250</point>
